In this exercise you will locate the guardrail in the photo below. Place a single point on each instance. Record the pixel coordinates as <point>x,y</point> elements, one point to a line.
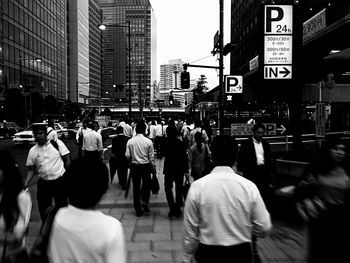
<point>288,139</point>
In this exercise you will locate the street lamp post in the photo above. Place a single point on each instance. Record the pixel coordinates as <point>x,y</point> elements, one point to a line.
<point>103,27</point>
<point>21,86</point>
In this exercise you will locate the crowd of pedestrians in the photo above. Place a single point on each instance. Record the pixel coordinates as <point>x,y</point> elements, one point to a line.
<point>226,210</point>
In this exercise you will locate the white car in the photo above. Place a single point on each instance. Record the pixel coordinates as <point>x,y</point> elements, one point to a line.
<point>27,136</point>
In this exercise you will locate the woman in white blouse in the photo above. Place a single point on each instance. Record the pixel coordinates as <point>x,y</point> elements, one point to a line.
<point>15,204</point>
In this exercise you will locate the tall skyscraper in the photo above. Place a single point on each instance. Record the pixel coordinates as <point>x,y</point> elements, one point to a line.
<point>33,55</point>
<point>78,48</point>
<point>116,68</point>
<point>95,16</point>
<point>170,74</point>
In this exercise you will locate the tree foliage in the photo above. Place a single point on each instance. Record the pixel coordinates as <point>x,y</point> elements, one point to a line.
<point>201,84</point>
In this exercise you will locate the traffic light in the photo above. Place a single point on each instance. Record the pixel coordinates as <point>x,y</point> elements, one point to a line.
<point>185,78</point>
<point>171,98</point>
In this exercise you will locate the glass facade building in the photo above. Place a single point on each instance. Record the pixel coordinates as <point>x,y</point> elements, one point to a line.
<point>30,30</point>
<point>33,54</point>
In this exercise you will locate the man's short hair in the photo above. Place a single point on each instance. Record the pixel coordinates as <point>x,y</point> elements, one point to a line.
<point>120,130</point>
<point>140,127</point>
<point>224,150</point>
<point>87,181</point>
<point>257,126</point>
<point>39,127</point>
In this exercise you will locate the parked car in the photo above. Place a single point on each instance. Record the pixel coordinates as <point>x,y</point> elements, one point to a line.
<point>70,131</point>
<point>8,129</point>
<point>27,136</point>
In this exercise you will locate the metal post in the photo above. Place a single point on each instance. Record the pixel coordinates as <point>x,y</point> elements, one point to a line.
<point>221,69</point>
<point>129,56</point>
<point>20,72</point>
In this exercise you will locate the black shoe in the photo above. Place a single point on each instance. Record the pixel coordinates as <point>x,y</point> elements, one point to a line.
<point>139,213</point>
<point>145,208</point>
<point>171,214</point>
<point>178,213</point>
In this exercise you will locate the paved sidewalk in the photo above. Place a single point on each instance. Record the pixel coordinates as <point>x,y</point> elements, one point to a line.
<point>155,238</point>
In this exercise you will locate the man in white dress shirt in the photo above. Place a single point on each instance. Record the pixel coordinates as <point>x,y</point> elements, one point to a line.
<point>92,142</point>
<point>222,211</point>
<point>80,232</point>
<point>139,149</point>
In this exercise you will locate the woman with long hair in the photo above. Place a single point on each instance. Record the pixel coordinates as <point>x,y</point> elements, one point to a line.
<point>198,154</point>
<point>15,204</point>
<point>328,226</point>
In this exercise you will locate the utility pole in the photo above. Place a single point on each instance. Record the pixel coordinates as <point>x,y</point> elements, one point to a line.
<point>221,70</point>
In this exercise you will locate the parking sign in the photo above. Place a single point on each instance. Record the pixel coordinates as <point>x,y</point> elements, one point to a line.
<point>233,84</point>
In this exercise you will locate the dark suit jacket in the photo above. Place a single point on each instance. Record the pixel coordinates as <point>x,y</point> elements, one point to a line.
<point>119,147</point>
<point>247,163</point>
<point>175,157</point>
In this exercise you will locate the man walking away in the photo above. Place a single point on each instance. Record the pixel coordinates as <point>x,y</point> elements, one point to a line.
<point>51,133</point>
<point>198,128</point>
<point>50,163</point>
<point>139,150</point>
<point>119,162</point>
<point>92,143</point>
<point>175,166</point>
<point>80,137</point>
<point>222,211</point>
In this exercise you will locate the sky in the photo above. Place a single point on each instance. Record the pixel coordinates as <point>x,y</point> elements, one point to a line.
<point>186,29</point>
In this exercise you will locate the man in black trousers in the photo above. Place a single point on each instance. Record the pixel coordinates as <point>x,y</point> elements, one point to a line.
<point>140,151</point>
<point>255,164</point>
<point>119,162</point>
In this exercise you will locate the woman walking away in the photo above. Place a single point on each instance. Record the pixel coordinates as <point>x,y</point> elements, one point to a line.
<point>15,206</point>
<point>328,222</point>
<point>198,154</point>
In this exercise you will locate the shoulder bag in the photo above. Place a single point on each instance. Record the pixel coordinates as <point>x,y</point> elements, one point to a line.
<point>208,162</point>
<point>38,253</point>
<point>19,255</point>
<point>154,180</point>
<point>311,208</point>
<point>186,186</point>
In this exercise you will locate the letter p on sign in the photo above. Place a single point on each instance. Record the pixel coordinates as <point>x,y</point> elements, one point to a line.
<point>278,19</point>
<point>233,84</point>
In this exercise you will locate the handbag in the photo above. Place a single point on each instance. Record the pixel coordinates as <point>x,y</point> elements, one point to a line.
<point>311,208</point>
<point>208,162</point>
<point>38,252</point>
<point>186,186</point>
<point>154,180</point>
<point>19,255</point>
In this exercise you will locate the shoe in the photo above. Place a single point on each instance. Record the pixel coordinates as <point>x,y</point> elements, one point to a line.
<point>178,213</point>
<point>145,208</point>
<point>171,214</point>
<point>139,213</point>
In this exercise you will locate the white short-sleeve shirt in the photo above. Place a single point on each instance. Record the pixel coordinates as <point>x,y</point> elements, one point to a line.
<point>47,159</point>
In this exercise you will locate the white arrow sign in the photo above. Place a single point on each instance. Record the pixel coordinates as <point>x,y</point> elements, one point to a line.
<point>282,129</point>
<point>277,72</point>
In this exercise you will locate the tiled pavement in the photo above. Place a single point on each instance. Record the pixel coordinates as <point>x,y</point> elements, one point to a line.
<point>155,238</point>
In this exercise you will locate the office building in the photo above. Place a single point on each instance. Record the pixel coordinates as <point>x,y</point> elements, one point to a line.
<point>320,57</point>
<point>78,51</point>
<point>33,57</point>
<point>95,16</point>
<point>116,68</point>
<point>170,74</point>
